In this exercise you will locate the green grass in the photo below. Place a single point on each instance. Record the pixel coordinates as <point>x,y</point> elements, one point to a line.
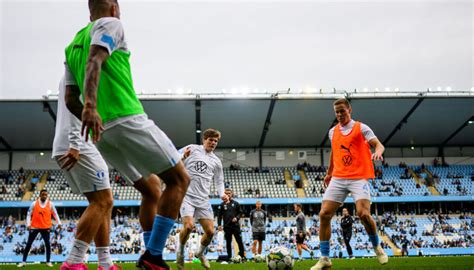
<point>414,263</point>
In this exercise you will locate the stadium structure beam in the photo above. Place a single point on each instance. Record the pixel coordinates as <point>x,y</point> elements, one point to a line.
<point>268,121</point>
<point>404,120</point>
<point>47,108</point>
<point>5,143</point>
<point>26,150</point>
<point>10,153</point>
<point>197,106</point>
<point>465,124</point>
<point>266,148</point>
<point>266,127</point>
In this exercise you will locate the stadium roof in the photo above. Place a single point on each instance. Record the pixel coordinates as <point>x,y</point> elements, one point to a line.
<point>271,121</point>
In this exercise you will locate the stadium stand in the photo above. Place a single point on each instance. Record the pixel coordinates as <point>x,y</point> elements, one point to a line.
<point>270,183</point>
<point>428,234</point>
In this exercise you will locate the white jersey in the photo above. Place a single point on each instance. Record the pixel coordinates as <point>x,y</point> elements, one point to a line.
<point>203,168</point>
<point>68,129</point>
<point>366,130</point>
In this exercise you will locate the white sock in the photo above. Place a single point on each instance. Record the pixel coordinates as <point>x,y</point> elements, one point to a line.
<point>103,253</point>
<point>201,250</point>
<point>78,252</point>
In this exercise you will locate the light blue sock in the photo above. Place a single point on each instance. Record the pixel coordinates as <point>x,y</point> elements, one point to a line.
<point>374,239</point>
<point>146,237</point>
<point>324,246</point>
<point>161,229</point>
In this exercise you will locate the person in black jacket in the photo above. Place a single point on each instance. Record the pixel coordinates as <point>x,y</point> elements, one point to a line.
<point>346,225</point>
<point>229,211</point>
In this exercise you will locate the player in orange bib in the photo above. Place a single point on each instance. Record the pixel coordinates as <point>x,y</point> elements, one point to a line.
<point>350,168</point>
<point>38,221</point>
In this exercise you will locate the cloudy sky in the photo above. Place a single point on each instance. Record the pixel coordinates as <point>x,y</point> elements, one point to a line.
<point>273,45</point>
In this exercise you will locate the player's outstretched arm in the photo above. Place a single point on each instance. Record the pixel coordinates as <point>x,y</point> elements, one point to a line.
<point>91,120</point>
<point>74,105</point>
<point>73,100</point>
<point>328,176</point>
<point>29,215</point>
<point>219,181</point>
<point>379,149</point>
<point>97,56</point>
<point>55,214</point>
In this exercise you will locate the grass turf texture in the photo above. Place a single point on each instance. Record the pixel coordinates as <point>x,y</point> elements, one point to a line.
<point>413,263</point>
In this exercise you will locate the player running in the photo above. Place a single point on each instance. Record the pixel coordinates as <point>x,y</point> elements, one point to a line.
<point>88,174</point>
<point>98,60</point>
<point>204,167</point>
<point>350,167</point>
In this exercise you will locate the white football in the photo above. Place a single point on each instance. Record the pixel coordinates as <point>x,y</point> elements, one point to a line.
<point>280,258</point>
<point>259,258</point>
<point>236,259</point>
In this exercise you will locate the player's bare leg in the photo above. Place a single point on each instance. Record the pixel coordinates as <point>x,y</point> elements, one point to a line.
<point>363,211</point>
<point>188,226</point>
<point>150,190</point>
<point>254,247</point>
<point>260,243</point>
<point>177,182</point>
<point>208,227</point>
<point>98,211</point>
<point>328,209</point>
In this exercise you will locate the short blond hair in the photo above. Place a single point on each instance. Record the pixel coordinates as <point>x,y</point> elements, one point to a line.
<point>211,133</point>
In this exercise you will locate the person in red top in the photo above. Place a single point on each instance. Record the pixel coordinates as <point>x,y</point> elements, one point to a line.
<point>38,221</point>
<point>350,168</point>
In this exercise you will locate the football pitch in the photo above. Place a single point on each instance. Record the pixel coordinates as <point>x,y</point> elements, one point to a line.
<point>414,263</point>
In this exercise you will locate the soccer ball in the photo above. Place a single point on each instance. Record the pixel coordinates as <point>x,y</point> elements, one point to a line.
<point>259,258</point>
<point>280,259</point>
<point>236,259</point>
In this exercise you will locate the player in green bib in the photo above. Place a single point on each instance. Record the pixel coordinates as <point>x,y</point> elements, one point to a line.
<point>98,61</point>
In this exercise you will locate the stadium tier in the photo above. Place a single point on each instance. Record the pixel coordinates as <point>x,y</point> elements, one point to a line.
<point>413,235</point>
<point>426,234</point>
<point>280,182</point>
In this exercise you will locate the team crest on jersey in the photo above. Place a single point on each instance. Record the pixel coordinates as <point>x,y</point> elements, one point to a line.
<point>366,188</point>
<point>100,174</point>
<point>200,166</point>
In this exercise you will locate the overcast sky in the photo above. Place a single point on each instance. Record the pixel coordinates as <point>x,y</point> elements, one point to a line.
<point>208,46</point>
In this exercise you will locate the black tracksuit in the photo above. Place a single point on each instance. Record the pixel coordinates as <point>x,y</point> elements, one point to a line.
<point>227,212</point>
<point>346,225</point>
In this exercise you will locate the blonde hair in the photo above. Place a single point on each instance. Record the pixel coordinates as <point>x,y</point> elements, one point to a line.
<point>211,133</point>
